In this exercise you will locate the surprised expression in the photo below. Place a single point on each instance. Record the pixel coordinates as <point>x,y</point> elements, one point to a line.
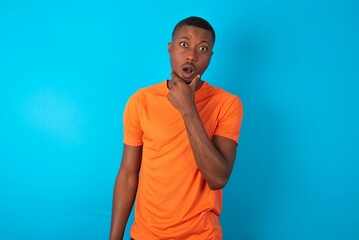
<point>190,52</point>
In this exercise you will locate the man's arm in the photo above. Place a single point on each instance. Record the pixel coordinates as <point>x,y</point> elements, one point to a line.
<point>215,159</point>
<point>125,190</point>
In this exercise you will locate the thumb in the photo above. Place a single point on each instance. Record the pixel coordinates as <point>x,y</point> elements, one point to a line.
<point>194,82</point>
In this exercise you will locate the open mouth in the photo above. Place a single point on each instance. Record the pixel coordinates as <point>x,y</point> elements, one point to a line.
<point>188,70</point>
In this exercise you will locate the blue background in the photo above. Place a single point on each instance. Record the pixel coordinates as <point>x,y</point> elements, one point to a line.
<point>67,69</point>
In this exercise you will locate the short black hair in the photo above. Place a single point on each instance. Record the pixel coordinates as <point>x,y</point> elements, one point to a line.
<point>196,22</point>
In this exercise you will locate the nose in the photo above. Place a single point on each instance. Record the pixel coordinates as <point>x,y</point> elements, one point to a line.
<point>191,55</point>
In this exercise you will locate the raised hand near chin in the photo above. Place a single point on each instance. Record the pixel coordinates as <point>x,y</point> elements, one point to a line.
<point>181,94</point>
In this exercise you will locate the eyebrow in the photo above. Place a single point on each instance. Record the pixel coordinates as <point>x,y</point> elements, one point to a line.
<point>190,39</point>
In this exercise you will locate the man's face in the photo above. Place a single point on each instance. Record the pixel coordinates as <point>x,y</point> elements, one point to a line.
<point>190,52</point>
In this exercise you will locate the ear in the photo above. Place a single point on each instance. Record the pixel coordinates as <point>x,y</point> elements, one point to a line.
<point>169,47</point>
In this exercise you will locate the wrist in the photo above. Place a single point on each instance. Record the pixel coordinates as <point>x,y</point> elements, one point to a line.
<point>189,112</point>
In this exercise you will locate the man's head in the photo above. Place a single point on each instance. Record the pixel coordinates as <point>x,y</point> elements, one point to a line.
<point>191,47</point>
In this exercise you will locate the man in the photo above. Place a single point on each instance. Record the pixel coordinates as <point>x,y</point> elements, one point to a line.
<point>180,141</point>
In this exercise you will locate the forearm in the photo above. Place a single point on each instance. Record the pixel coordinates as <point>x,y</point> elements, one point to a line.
<point>124,196</point>
<point>210,161</point>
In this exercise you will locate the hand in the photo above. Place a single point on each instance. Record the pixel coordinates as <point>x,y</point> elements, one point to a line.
<point>181,94</point>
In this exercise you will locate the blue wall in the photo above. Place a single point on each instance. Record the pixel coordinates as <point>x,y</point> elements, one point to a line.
<point>68,67</point>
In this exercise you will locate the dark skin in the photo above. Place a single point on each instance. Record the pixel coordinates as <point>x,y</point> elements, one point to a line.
<point>190,54</point>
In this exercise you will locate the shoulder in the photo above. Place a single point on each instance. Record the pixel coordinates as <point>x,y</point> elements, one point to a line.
<point>225,98</point>
<point>143,94</point>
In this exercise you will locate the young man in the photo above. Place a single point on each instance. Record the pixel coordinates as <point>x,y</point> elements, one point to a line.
<point>180,141</point>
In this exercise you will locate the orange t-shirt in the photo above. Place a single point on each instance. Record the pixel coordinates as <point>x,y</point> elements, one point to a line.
<point>173,199</point>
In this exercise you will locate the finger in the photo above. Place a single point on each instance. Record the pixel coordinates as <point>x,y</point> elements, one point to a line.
<point>173,81</point>
<point>194,82</point>
<point>175,75</point>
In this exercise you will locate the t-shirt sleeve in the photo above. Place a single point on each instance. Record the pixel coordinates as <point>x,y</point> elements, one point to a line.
<point>230,119</point>
<point>132,129</point>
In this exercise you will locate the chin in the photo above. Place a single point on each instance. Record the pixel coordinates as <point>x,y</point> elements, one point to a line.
<point>187,80</point>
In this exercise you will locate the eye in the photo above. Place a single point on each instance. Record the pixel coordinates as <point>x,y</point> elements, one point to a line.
<point>202,49</point>
<point>183,44</point>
